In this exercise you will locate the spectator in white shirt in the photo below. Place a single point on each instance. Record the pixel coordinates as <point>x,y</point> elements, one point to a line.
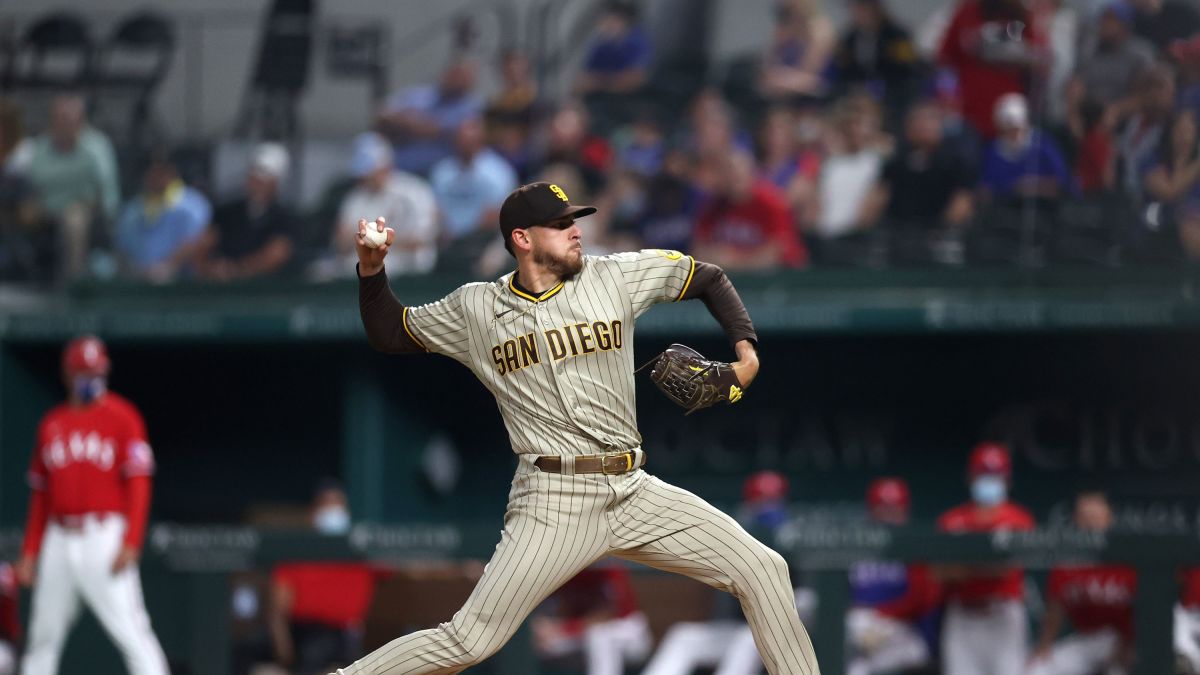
<point>404,199</point>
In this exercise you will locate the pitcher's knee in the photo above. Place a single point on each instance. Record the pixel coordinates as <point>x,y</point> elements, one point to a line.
<point>471,652</point>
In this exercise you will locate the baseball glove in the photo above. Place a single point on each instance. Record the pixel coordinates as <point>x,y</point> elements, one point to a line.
<point>692,381</point>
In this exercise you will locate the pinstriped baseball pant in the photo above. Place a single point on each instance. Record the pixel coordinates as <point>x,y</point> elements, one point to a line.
<point>556,525</point>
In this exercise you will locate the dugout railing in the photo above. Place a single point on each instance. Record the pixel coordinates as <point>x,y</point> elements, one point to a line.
<point>188,572</point>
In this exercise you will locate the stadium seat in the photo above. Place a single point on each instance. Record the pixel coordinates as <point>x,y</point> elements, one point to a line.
<point>54,53</point>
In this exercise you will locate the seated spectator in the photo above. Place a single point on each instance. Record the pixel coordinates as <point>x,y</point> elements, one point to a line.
<point>251,235</point>
<point>878,53</point>
<point>789,158</point>
<point>1110,71</point>
<point>616,66</point>
<point>1098,601</point>
<point>1021,163</point>
<point>801,46</point>
<point>511,113</point>
<point>568,140</point>
<point>317,609</point>
<point>671,205</point>
<point>993,46</point>
<point>851,170</point>
<point>73,171</point>
<point>517,97</point>
<point>404,200</point>
<point>925,188</point>
<point>747,224</point>
<point>1174,184</point>
<point>618,58</point>
<point>1142,133</point>
<point>159,230</point>
<point>640,148</point>
<point>420,120</point>
<point>469,188</point>
<point>595,615</point>
<point>1162,22</point>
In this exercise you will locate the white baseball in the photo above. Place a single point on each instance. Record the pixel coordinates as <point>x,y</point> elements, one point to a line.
<point>373,238</point>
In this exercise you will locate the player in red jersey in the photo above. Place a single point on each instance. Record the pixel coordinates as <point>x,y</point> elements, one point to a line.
<point>90,476</point>
<point>1098,599</point>
<point>984,632</point>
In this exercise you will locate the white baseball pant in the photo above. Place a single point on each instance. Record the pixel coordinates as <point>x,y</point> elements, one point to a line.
<point>1081,654</point>
<point>75,565</point>
<point>988,640</point>
<point>1187,635</point>
<point>608,645</point>
<point>882,644</point>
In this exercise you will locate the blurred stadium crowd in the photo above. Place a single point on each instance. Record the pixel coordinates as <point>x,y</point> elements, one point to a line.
<point>999,131</point>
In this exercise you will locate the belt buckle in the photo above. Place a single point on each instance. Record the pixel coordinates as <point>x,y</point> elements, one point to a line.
<point>628,464</point>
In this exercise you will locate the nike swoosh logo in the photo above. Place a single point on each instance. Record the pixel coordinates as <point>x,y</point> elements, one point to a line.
<point>500,314</point>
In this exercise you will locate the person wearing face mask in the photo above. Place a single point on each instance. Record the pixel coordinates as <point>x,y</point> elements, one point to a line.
<point>90,476</point>
<point>985,630</point>
<point>317,609</point>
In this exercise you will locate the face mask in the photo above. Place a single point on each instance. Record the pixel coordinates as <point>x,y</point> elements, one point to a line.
<point>332,520</point>
<point>989,490</point>
<point>88,388</point>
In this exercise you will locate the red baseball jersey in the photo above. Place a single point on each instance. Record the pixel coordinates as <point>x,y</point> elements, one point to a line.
<point>1191,588</point>
<point>329,593</point>
<point>603,588</point>
<point>971,518</point>
<point>90,459</point>
<point>1095,597</point>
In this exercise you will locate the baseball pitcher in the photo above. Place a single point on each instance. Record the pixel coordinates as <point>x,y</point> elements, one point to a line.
<point>553,342</point>
<point>90,476</point>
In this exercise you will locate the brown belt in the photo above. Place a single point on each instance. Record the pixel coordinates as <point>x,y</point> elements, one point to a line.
<point>606,464</point>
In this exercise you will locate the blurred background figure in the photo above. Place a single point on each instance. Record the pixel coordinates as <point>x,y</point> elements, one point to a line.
<point>618,58</point>
<point>469,187</point>
<point>747,223</point>
<point>1186,624</point>
<point>1098,601</point>
<point>252,235</point>
<point>764,501</point>
<point>893,625</point>
<point>404,199</point>
<point>799,52</point>
<point>985,629</point>
<point>994,48</point>
<point>317,609</point>
<point>160,231</point>
<point>420,120</point>
<point>925,192</point>
<point>73,172</point>
<point>594,615</point>
<point>877,53</point>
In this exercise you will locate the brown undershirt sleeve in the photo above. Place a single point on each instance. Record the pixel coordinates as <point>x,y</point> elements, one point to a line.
<point>383,316</point>
<point>711,286</point>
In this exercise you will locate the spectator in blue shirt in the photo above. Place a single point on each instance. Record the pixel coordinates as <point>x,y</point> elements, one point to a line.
<point>159,230</point>
<point>1021,163</point>
<point>421,120</point>
<point>619,56</point>
<point>470,185</point>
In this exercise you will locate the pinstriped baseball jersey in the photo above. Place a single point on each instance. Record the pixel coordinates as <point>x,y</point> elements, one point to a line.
<point>560,364</point>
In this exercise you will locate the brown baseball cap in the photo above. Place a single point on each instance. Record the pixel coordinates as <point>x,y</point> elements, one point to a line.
<point>536,204</point>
